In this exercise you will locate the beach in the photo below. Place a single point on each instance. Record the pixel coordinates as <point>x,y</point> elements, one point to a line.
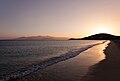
<point>109,68</point>
<point>73,69</point>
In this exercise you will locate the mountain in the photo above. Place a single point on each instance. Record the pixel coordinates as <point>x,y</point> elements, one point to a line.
<point>41,38</point>
<point>101,36</point>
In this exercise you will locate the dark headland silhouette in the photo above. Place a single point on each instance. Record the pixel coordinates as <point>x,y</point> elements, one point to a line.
<point>101,36</point>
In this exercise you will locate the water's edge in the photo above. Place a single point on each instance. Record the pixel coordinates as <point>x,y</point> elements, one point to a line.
<point>44,64</point>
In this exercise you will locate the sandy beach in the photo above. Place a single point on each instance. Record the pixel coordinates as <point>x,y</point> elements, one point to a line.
<point>73,69</point>
<point>109,68</point>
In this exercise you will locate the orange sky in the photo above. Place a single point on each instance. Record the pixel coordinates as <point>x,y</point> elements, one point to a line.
<point>66,18</point>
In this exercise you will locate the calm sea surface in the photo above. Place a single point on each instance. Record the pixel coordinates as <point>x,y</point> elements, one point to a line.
<point>15,55</point>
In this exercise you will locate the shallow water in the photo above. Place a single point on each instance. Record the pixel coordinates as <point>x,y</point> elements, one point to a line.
<point>72,69</point>
<point>15,55</point>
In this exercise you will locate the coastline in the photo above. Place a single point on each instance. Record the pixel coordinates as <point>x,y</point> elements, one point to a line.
<point>44,64</point>
<point>70,70</point>
<point>107,69</point>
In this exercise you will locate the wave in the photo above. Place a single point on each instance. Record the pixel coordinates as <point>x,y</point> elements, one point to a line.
<point>44,64</point>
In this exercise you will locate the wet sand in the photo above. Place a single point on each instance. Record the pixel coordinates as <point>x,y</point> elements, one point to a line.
<point>109,68</point>
<point>70,70</point>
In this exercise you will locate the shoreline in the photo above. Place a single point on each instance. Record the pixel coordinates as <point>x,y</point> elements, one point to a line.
<point>107,69</point>
<point>48,62</point>
<point>71,69</point>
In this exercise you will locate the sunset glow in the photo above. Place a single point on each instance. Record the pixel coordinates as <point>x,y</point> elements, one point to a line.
<point>68,18</point>
<point>102,29</point>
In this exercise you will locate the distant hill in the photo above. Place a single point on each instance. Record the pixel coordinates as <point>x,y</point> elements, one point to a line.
<point>101,36</point>
<point>41,38</point>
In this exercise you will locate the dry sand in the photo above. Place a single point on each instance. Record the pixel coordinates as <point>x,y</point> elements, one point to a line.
<point>109,68</point>
<point>70,70</point>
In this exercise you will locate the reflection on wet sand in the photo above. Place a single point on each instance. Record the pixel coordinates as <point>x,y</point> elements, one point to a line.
<point>109,68</point>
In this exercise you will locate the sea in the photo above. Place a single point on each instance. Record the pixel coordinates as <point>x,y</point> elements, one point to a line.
<point>20,58</point>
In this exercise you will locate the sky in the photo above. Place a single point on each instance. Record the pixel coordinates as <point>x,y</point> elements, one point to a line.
<point>62,18</point>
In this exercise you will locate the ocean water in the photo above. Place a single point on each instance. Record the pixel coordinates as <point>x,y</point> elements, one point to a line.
<point>19,57</point>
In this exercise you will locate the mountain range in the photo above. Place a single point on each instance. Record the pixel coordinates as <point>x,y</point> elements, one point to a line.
<point>31,38</point>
